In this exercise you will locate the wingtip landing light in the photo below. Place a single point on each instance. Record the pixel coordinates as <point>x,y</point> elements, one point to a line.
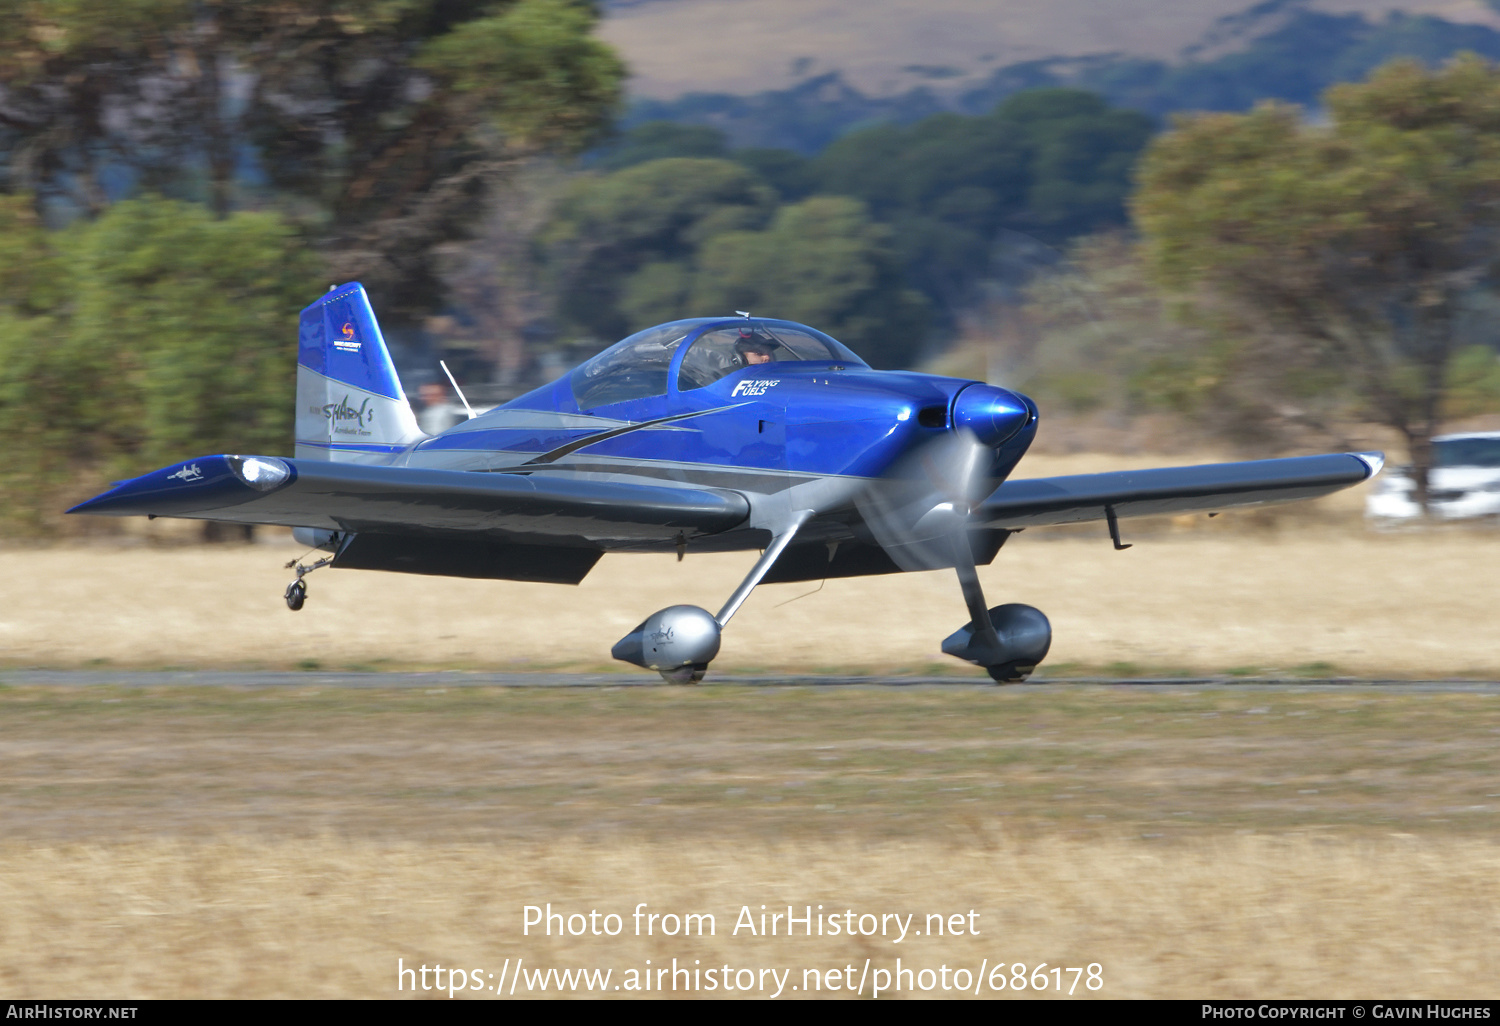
<point>1374,460</point>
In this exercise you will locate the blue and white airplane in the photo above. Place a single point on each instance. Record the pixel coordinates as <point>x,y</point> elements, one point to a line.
<point>708,435</point>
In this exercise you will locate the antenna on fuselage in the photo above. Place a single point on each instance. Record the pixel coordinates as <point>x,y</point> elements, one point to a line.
<point>743,313</point>
<point>443,364</point>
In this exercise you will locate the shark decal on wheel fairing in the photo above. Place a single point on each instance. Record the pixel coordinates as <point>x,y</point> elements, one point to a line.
<point>187,473</point>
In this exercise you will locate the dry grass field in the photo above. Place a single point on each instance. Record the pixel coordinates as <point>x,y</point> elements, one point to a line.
<point>1322,598</point>
<point>1241,917</point>
<point>293,842</point>
<point>881,46</point>
<point>1270,840</point>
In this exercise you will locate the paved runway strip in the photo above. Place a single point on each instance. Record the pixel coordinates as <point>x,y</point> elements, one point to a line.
<point>467,679</point>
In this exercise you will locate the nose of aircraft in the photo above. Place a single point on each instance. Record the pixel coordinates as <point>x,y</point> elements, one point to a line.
<point>993,414</point>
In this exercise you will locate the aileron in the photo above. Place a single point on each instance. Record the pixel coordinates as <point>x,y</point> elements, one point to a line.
<point>1171,490</point>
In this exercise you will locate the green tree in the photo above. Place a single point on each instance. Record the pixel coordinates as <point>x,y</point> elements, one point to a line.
<point>385,120</point>
<point>46,387</point>
<point>615,237</point>
<point>658,140</point>
<point>193,319</point>
<point>1051,162</point>
<point>825,263</point>
<point>1364,241</point>
<point>1096,335</point>
<point>786,171</point>
<point>153,334</point>
<point>682,238</point>
<point>73,73</point>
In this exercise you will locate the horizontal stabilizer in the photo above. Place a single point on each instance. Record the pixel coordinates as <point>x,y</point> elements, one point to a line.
<point>380,499</point>
<point>1170,490</point>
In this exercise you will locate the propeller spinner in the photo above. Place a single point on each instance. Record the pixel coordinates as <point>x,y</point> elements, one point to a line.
<point>920,514</point>
<point>921,507</point>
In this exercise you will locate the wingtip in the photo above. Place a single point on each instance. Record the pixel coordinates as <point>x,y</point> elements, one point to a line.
<point>1373,460</point>
<point>99,503</point>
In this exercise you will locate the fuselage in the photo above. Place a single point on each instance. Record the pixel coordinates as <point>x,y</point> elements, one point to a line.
<point>810,433</point>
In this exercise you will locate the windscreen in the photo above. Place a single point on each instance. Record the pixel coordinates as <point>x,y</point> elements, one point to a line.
<point>630,369</point>
<point>754,343</point>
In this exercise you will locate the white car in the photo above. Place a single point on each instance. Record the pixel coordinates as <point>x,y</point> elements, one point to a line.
<point>1465,481</point>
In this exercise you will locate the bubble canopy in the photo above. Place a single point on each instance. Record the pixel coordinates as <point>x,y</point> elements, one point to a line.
<point>697,353</point>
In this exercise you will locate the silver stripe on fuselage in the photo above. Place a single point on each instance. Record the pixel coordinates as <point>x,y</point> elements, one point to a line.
<point>711,475</point>
<point>668,423</point>
<point>504,419</point>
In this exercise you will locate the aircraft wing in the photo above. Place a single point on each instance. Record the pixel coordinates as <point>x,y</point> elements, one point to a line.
<point>392,500</point>
<point>1169,490</point>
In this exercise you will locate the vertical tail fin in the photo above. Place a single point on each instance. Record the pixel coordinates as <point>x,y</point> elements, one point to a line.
<point>350,405</point>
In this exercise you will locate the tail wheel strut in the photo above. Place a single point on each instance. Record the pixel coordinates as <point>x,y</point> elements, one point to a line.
<point>296,592</point>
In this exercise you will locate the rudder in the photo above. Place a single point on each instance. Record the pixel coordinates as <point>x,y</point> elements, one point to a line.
<point>350,404</point>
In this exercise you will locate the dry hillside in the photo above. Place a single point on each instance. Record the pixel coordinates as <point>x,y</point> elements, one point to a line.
<point>889,46</point>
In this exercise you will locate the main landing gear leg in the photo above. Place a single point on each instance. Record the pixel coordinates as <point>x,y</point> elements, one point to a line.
<point>1009,640</point>
<point>680,641</point>
<point>296,592</point>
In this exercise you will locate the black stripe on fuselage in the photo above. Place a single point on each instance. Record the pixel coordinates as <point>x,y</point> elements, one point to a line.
<point>706,475</point>
<point>581,443</point>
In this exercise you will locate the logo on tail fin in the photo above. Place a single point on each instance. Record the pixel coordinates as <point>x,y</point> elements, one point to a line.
<point>347,343</point>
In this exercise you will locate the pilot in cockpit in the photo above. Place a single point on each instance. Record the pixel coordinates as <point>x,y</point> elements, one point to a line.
<point>754,348</point>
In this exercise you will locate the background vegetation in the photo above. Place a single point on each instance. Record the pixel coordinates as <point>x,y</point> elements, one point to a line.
<point>179,177</point>
<point>1302,53</point>
<point>183,174</point>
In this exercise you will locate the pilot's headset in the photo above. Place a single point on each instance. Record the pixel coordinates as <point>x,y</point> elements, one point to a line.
<point>752,341</point>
